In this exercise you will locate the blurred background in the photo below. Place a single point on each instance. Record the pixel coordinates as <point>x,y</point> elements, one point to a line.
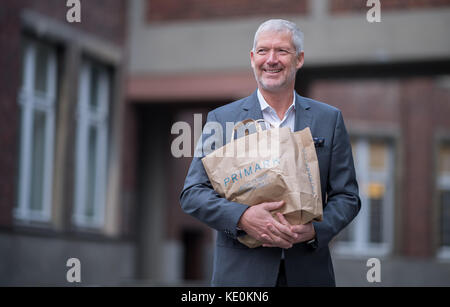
<point>86,111</point>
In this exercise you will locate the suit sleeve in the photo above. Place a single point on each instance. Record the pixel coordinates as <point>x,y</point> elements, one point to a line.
<point>343,202</point>
<point>199,199</point>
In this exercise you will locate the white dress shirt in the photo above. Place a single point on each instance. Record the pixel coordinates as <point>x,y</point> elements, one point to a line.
<point>271,116</point>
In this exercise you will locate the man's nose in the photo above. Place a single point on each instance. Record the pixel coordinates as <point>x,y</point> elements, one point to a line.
<point>273,57</point>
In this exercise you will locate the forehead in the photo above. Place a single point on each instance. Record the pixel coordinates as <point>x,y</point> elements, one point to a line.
<point>271,38</point>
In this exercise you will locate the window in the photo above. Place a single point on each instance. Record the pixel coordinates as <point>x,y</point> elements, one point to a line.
<point>443,185</point>
<point>372,230</point>
<point>37,98</point>
<point>91,145</point>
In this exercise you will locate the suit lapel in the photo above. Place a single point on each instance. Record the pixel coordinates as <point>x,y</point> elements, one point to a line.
<point>251,108</point>
<point>303,116</point>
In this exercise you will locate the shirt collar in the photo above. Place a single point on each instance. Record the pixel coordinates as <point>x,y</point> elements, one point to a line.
<point>264,105</point>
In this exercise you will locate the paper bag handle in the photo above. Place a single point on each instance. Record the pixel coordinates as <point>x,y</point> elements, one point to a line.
<point>249,120</point>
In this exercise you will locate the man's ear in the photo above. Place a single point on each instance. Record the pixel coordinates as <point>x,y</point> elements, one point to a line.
<point>251,59</point>
<point>300,60</point>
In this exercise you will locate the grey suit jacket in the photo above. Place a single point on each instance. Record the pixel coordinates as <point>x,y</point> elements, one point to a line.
<point>237,265</point>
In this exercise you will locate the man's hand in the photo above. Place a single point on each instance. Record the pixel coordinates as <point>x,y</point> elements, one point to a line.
<point>258,222</point>
<point>304,232</point>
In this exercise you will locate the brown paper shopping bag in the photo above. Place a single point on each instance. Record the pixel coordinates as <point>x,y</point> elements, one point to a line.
<point>267,166</point>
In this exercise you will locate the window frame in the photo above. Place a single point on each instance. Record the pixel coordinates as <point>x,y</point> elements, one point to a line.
<point>441,183</point>
<point>29,101</point>
<point>72,46</point>
<point>359,244</point>
<point>87,118</point>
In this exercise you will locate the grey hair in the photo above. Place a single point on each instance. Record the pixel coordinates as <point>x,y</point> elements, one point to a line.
<point>280,25</point>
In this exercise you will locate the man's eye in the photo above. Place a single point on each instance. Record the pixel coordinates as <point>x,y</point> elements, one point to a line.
<point>261,51</point>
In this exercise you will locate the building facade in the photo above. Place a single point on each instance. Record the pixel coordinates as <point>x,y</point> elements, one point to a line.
<point>62,101</point>
<point>88,109</point>
<point>389,78</point>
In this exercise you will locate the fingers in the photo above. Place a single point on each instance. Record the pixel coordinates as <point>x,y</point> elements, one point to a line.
<point>275,238</point>
<point>272,240</point>
<point>279,233</point>
<point>283,232</point>
<point>273,205</point>
<point>284,235</point>
<point>300,229</point>
<point>286,228</point>
<point>282,219</point>
<point>259,222</point>
<point>305,232</point>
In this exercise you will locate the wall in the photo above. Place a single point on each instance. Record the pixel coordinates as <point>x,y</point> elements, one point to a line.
<point>223,45</point>
<point>36,255</point>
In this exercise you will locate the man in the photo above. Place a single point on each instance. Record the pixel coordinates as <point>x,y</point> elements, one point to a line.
<point>291,255</point>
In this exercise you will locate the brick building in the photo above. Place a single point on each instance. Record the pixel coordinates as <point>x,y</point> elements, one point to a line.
<point>61,106</point>
<point>86,168</point>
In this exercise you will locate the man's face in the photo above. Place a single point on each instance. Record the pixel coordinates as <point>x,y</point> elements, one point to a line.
<point>274,61</point>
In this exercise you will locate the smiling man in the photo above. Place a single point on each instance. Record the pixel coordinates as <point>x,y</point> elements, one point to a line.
<point>291,255</point>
